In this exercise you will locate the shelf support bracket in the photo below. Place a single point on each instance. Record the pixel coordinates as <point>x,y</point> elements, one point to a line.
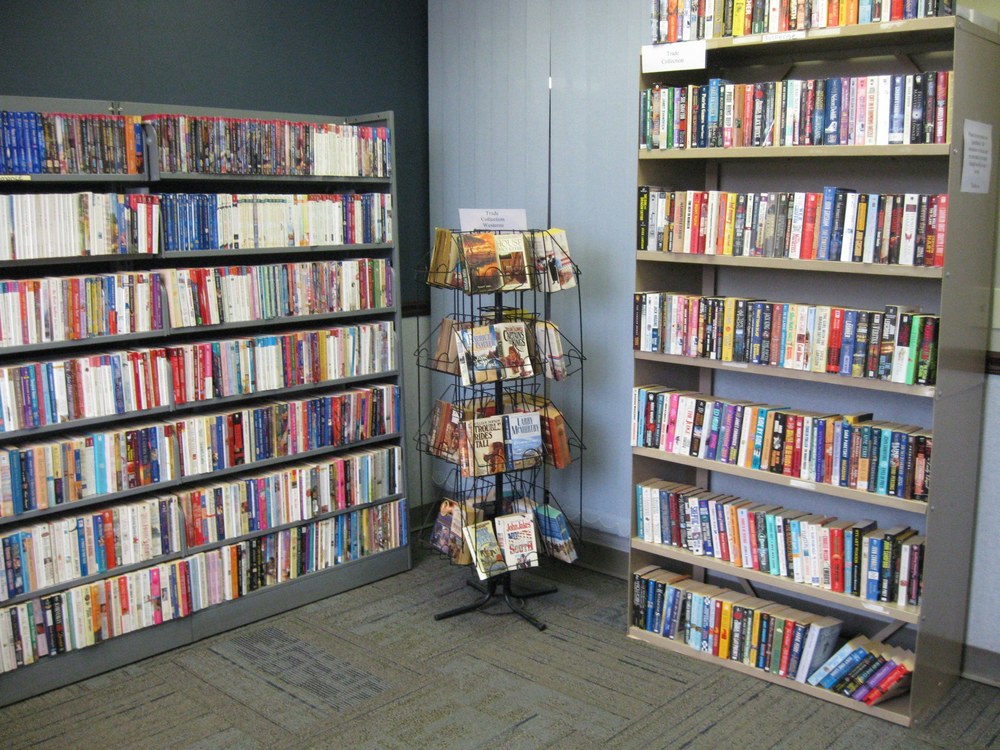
<point>907,62</point>
<point>890,629</point>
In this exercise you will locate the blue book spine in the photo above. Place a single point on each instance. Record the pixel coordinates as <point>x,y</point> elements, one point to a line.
<point>843,668</point>
<point>100,554</point>
<point>873,568</point>
<point>831,116</point>
<point>865,11</point>
<point>154,453</point>
<point>758,438</point>
<point>16,491</point>
<point>707,548</point>
<point>847,341</point>
<point>885,449</point>
<point>784,334</point>
<point>897,105</point>
<point>826,223</point>
<point>819,440</point>
<point>665,537</point>
<point>672,595</point>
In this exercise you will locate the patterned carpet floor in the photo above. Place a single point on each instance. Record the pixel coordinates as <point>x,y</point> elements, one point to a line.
<point>371,668</point>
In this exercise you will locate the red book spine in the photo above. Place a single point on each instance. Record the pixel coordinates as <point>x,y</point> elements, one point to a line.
<point>109,538</point>
<point>941,230</point>
<point>808,251</point>
<point>836,559</point>
<point>836,334</point>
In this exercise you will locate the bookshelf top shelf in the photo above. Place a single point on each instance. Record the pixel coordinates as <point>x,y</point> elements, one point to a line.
<point>914,31</point>
<point>786,152</point>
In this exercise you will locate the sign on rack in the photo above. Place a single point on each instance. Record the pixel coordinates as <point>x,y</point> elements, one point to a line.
<point>492,219</point>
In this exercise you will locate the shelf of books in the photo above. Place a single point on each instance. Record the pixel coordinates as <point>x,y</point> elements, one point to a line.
<point>495,424</point>
<point>204,430</point>
<point>810,317</point>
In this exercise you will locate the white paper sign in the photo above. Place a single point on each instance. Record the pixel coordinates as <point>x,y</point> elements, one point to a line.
<point>977,157</point>
<point>657,58</point>
<point>492,219</point>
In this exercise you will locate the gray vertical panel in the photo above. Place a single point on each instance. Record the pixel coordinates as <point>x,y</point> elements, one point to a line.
<point>488,104</point>
<point>488,110</point>
<point>984,599</point>
<point>595,74</point>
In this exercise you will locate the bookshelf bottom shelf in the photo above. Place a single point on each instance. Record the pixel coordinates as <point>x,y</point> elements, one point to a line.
<point>57,671</point>
<point>895,710</point>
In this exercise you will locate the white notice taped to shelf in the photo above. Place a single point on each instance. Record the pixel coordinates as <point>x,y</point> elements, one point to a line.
<point>492,219</point>
<point>657,58</point>
<point>977,156</point>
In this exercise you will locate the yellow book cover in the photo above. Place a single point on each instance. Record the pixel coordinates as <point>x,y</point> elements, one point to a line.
<point>728,327</point>
<point>730,226</point>
<point>739,16</point>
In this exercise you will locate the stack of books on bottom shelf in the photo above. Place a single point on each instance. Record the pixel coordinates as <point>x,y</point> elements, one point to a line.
<point>507,542</point>
<point>765,635</point>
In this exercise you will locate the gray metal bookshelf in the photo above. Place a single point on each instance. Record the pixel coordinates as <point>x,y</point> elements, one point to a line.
<point>54,671</point>
<point>959,293</point>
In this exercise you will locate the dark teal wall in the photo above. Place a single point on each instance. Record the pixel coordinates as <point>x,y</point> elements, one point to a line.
<point>336,57</point>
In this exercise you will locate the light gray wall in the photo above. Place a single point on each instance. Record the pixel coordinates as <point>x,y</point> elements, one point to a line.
<point>488,69</point>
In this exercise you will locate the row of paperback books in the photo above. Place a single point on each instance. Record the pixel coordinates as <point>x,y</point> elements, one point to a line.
<point>210,221</point>
<point>484,262</point>
<point>62,143</point>
<point>96,612</point>
<point>67,549</point>
<point>732,625</point>
<point>769,636</point>
<point>687,20</point>
<point>893,344</point>
<point>212,296</point>
<point>55,392</point>
<point>73,308</point>
<point>44,310</point>
<point>264,501</point>
<point>843,450</point>
<point>838,224</point>
<point>68,225</point>
<point>43,225</point>
<point>460,533</point>
<point>49,474</point>
<point>207,370</point>
<point>485,351</point>
<point>876,110</point>
<point>190,144</point>
<point>471,434</point>
<point>44,393</point>
<point>852,557</point>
